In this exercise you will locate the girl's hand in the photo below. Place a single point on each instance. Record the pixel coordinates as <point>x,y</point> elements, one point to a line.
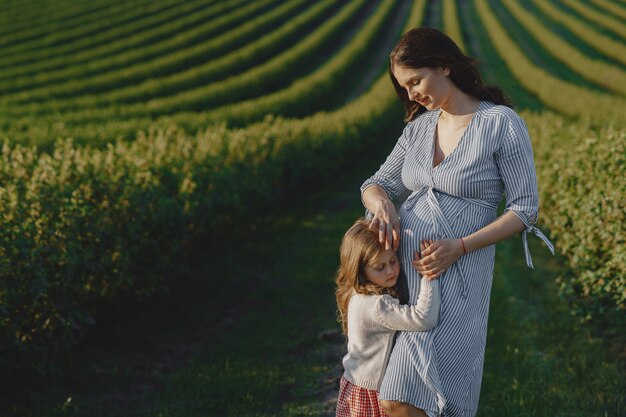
<point>437,257</point>
<point>387,223</point>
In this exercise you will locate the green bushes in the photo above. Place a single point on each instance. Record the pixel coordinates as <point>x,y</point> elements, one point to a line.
<point>583,195</point>
<point>87,226</point>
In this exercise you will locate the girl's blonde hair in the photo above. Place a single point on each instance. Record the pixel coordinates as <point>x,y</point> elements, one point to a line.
<point>359,247</point>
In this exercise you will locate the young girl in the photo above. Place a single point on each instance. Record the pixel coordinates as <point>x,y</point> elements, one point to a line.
<point>370,314</point>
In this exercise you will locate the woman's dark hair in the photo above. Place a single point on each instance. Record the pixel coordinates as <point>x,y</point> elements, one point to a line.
<point>428,47</point>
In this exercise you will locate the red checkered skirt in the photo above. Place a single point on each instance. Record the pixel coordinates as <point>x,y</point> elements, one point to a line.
<point>355,401</point>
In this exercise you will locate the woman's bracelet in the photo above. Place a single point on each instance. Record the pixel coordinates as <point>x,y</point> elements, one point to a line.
<point>463,244</point>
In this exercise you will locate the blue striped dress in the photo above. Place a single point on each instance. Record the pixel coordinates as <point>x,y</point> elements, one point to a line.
<point>440,371</point>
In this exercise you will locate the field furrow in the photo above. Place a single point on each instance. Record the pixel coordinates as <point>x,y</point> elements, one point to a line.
<point>276,73</point>
<point>451,23</point>
<point>109,60</point>
<point>434,14</point>
<point>230,53</point>
<point>82,38</point>
<point>598,72</point>
<point>562,96</point>
<point>492,67</point>
<point>608,46</point>
<point>613,8</point>
<point>169,38</point>
<point>20,20</point>
<point>601,19</point>
<point>536,51</point>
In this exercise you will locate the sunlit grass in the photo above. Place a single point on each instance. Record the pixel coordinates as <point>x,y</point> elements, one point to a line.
<point>540,359</point>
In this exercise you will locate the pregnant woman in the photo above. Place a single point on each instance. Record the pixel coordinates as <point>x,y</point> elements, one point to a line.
<point>462,148</point>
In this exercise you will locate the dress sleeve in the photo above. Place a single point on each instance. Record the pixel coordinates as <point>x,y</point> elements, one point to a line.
<point>389,175</point>
<point>422,316</point>
<point>517,168</point>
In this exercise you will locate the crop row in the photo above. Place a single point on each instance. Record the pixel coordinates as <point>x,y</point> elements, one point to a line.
<point>602,19</point>
<point>206,62</point>
<point>599,72</point>
<point>610,7</point>
<point>492,68</point>
<point>609,47</point>
<point>306,95</point>
<point>536,52</point>
<point>20,18</point>
<point>124,51</point>
<point>275,73</point>
<point>91,225</point>
<point>451,22</point>
<point>99,33</point>
<point>311,93</point>
<point>323,88</point>
<point>564,97</point>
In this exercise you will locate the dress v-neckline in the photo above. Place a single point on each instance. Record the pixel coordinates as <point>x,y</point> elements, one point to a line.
<point>461,139</point>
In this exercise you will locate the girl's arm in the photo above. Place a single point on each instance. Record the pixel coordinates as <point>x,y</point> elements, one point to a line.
<point>420,317</point>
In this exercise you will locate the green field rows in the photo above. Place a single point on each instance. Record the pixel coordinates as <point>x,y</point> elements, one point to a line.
<point>65,42</point>
<point>132,128</point>
<point>122,53</point>
<point>286,45</point>
<point>609,7</point>
<point>610,77</point>
<point>162,44</point>
<point>589,35</point>
<point>19,20</point>
<point>208,61</point>
<point>601,18</point>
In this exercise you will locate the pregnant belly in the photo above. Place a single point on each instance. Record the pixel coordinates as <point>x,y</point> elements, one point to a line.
<point>416,224</point>
<point>419,222</point>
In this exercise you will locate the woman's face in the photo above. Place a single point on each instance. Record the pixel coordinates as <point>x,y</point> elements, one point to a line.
<point>429,87</point>
<point>384,269</point>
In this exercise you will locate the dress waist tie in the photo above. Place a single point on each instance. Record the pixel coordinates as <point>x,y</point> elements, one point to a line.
<point>440,222</point>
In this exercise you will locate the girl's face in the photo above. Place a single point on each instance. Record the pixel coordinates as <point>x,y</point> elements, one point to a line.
<point>384,269</point>
<point>429,87</point>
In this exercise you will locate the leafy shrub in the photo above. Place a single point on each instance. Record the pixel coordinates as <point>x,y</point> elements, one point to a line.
<point>583,195</point>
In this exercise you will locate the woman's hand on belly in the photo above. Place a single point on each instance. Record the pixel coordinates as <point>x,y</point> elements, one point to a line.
<point>387,223</point>
<point>437,256</point>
